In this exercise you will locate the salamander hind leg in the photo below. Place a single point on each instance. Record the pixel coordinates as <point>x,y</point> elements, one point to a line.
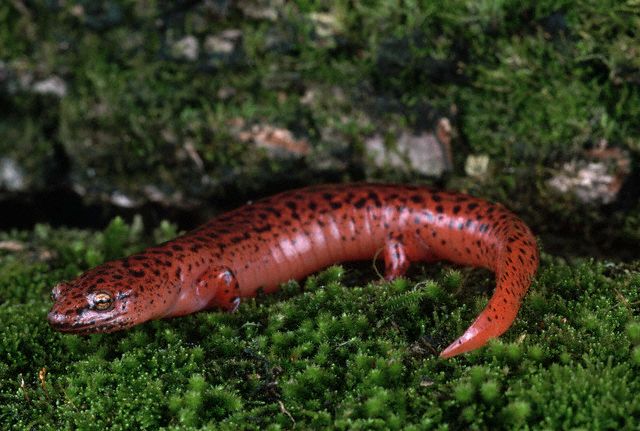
<point>222,282</point>
<point>402,249</point>
<point>396,262</point>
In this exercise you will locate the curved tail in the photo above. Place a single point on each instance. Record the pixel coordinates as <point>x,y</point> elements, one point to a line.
<point>515,265</point>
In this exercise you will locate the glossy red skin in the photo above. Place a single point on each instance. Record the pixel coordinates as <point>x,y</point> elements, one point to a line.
<point>290,235</point>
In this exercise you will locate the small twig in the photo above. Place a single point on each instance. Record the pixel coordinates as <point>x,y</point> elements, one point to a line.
<point>23,386</point>
<point>375,258</point>
<point>420,284</point>
<point>429,345</point>
<point>344,343</point>
<point>69,400</point>
<point>284,410</point>
<point>624,299</point>
<point>193,154</point>
<point>42,374</point>
<point>625,302</point>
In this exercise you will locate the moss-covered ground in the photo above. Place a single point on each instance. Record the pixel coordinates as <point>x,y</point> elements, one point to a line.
<point>341,350</point>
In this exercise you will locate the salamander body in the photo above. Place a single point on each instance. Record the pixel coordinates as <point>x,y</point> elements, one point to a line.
<point>290,235</point>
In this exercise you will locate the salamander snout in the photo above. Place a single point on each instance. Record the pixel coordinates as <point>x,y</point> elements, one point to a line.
<point>57,320</point>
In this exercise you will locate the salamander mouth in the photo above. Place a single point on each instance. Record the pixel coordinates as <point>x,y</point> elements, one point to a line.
<point>61,322</point>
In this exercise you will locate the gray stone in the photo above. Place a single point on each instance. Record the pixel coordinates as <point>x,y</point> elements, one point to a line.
<point>53,85</point>
<point>424,153</point>
<point>187,48</point>
<point>12,176</point>
<point>224,42</point>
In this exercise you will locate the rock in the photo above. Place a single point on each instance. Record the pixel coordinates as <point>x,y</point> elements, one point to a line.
<point>224,49</point>
<point>53,85</point>
<point>595,178</point>
<point>315,96</point>
<point>168,198</point>
<point>476,165</point>
<point>260,9</point>
<point>426,153</point>
<point>12,176</point>
<point>12,246</point>
<point>224,42</point>
<point>118,198</point>
<point>589,182</point>
<point>326,27</point>
<point>226,93</point>
<point>186,48</point>
<point>279,143</point>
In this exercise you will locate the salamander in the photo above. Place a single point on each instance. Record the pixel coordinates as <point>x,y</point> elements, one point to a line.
<point>293,234</point>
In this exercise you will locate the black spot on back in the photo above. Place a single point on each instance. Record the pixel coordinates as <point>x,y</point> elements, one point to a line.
<point>291,205</point>
<point>374,197</point>
<point>360,203</point>
<point>262,229</point>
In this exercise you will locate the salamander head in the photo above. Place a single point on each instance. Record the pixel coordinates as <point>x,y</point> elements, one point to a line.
<point>110,297</point>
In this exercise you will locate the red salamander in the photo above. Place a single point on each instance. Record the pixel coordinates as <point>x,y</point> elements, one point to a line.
<point>295,233</point>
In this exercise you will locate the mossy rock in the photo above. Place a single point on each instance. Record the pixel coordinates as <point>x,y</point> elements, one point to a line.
<point>527,84</point>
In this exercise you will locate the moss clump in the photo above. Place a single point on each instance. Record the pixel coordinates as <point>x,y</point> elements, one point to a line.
<point>325,354</point>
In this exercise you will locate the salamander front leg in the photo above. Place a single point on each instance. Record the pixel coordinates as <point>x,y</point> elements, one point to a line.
<point>223,282</point>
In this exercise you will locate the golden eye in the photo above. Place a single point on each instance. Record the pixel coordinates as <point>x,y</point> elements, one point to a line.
<point>102,301</point>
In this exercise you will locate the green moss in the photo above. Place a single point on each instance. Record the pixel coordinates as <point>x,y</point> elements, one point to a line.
<point>328,353</point>
<point>490,390</point>
<point>633,331</point>
<point>516,413</point>
<point>464,392</point>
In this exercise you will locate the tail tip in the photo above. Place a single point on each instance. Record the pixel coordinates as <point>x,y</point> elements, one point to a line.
<point>472,339</point>
<point>455,348</point>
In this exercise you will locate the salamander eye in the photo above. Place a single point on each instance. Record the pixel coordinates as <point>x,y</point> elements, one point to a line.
<point>102,301</point>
